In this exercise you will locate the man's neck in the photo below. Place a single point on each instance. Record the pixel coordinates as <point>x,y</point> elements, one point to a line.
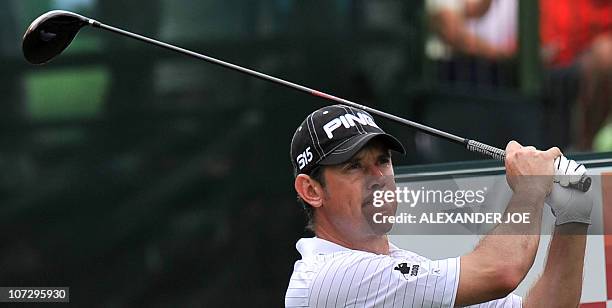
<point>378,244</point>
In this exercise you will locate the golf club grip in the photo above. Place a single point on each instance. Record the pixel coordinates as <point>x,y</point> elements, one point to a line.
<point>583,185</point>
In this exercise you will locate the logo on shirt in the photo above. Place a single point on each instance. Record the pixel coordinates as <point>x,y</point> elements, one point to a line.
<point>407,270</point>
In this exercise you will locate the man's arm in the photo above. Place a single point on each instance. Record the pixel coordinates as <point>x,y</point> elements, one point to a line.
<point>564,266</point>
<point>503,258</point>
<point>563,269</point>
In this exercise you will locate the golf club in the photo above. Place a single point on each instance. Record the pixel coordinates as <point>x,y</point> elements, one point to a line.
<point>52,32</point>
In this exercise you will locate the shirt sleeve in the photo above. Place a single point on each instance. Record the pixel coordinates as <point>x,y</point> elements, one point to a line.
<point>368,280</point>
<point>510,301</point>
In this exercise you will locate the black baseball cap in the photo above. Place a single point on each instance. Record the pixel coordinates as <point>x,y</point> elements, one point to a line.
<point>332,135</point>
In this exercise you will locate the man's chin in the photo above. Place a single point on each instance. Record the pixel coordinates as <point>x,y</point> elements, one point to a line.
<point>381,228</point>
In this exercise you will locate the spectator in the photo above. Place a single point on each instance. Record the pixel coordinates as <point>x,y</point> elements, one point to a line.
<point>576,41</point>
<point>469,39</point>
<point>471,46</point>
<point>480,28</point>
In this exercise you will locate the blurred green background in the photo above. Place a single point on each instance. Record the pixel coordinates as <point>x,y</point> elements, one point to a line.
<point>142,178</point>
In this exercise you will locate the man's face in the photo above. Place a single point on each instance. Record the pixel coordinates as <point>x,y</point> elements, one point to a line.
<point>348,201</point>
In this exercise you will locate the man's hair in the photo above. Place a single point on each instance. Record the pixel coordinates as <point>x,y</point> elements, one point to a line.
<point>317,175</point>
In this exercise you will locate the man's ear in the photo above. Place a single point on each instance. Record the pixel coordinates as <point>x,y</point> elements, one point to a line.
<point>309,190</point>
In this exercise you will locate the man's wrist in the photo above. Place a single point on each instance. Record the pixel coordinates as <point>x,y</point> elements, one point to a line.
<point>527,201</point>
<point>531,190</point>
<point>572,228</point>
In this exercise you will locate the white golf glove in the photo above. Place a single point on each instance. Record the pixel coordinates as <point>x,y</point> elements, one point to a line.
<point>568,204</point>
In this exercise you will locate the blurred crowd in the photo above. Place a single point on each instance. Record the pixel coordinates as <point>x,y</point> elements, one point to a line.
<point>470,42</point>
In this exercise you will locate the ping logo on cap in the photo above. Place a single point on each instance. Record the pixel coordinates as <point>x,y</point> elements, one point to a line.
<point>304,158</point>
<point>348,120</point>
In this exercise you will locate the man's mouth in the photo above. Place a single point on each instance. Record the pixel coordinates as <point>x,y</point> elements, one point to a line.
<point>367,202</point>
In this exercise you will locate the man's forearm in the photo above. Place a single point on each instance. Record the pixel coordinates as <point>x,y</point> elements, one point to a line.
<point>518,242</point>
<point>502,258</point>
<point>563,270</point>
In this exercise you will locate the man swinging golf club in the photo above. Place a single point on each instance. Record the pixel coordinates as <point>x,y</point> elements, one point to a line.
<point>340,156</point>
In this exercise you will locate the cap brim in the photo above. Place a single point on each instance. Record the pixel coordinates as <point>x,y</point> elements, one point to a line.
<point>353,145</point>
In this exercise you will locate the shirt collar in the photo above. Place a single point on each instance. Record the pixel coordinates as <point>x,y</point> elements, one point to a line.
<point>395,251</point>
<point>318,246</point>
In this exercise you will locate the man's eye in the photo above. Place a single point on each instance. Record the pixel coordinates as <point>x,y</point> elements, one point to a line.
<point>385,160</point>
<point>354,165</point>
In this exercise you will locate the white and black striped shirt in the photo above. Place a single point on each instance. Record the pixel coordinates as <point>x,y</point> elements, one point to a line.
<point>329,275</point>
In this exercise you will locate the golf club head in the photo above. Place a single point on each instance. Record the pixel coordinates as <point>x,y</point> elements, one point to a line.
<point>50,34</point>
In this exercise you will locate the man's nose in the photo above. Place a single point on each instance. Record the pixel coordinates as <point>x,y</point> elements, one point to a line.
<point>376,178</point>
<point>375,171</point>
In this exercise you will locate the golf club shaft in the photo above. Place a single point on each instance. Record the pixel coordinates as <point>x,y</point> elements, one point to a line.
<point>470,145</point>
<point>286,83</point>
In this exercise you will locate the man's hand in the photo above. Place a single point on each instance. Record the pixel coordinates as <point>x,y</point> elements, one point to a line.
<point>567,204</point>
<point>528,169</point>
